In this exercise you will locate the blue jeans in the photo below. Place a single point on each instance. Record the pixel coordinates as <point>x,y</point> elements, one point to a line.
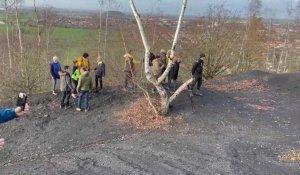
<point>85,95</point>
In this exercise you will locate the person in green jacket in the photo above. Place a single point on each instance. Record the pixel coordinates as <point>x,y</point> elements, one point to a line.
<point>75,78</point>
<point>85,85</point>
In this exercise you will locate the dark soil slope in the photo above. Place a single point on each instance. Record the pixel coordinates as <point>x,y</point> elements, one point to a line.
<point>231,132</point>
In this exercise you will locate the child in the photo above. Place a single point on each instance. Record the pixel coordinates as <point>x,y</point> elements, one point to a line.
<point>99,73</point>
<point>84,86</point>
<point>66,87</point>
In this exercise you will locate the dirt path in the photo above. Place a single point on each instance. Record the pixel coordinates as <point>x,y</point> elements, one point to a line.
<point>241,132</point>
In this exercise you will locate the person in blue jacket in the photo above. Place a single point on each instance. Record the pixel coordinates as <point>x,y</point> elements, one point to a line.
<point>55,68</point>
<point>10,114</point>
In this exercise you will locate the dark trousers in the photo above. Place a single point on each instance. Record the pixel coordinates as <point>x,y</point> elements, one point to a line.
<point>197,81</point>
<point>65,101</point>
<point>75,86</point>
<point>98,79</point>
<point>127,79</point>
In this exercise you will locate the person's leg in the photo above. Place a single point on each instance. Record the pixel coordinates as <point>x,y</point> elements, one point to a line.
<point>97,82</point>
<point>53,83</point>
<point>75,86</point>
<point>199,83</point>
<point>68,95</point>
<point>86,101</point>
<point>101,83</point>
<point>79,100</point>
<point>62,102</point>
<point>126,80</point>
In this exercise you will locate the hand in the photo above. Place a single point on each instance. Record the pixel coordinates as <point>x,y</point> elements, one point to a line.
<point>21,112</point>
<point>1,143</point>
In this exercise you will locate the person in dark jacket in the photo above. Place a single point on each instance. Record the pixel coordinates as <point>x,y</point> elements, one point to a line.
<point>99,73</point>
<point>173,74</point>
<point>197,71</point>
<point>55,68</point>
<point>10,114</point>
<point>66,87</point>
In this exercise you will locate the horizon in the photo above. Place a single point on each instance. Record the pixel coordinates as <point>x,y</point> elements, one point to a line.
<point>271,8</point>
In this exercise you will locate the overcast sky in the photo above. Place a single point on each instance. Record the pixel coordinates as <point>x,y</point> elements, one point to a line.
<point>195,7</point>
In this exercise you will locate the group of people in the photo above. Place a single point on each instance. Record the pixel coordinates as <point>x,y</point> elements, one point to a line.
<point>77,83</point>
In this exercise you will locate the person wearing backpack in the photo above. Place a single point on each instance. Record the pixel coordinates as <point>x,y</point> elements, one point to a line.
<point>197,71</point>
<point>66,87</point>
<point>99,73</point>
<point>55,68</point>
<point>85,85</point>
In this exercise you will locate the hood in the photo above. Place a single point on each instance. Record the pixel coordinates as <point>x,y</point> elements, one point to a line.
<point>86,73</point>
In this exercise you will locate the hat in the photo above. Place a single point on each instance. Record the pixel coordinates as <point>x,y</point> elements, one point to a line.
<point>202,55</point>
<point>55,58</point>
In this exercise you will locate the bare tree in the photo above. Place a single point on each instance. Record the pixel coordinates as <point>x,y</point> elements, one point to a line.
<point>165,100</point>
<point>255,7</point>
<point>7,4</point>
<point>17,3</point>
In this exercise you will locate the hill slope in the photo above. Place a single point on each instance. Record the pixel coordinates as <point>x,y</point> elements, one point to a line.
<point>241,131</point>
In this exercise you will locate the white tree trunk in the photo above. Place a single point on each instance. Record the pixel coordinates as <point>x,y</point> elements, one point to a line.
<point>176,37</point>
<point>165,101</point>
<point>106,30</point>
<point>20,38</point>
<point>7,34</point>
<point>100,27</point>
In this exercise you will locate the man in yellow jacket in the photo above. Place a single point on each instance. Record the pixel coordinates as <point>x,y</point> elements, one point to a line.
<point>84,62</point>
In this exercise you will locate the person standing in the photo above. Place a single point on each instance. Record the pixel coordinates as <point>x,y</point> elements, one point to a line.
<point>84,86</point>
<point>173,74</point>
<point>55,68</point>
<point>129,70</point>
<point>66,87</point>
<point>197,71</point>
<point>157,67</point>
<point>84,62</point>
<point>99,73</point>
<point>75,78</point>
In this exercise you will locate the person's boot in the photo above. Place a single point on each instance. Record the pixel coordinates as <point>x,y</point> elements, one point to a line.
<point>198,93</point>
<point>53,92</point>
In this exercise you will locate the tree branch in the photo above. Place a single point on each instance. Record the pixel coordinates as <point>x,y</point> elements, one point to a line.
<point>180,89</point>
<point>166,72</point>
